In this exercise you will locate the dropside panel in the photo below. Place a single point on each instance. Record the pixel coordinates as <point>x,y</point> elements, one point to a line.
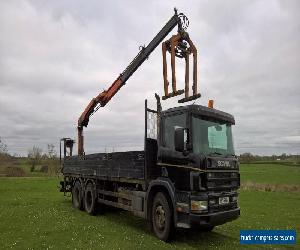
<point>118,165</point>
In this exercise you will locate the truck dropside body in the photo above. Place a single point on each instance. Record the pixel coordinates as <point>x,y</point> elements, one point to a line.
<point>131,180</point>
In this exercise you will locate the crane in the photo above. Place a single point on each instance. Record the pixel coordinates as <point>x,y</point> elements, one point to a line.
<point>179,45</point>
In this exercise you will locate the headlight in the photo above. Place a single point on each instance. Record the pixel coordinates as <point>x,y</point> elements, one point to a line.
<point>198,206</point>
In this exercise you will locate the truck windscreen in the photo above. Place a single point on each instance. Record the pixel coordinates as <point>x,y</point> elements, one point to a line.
<point>211,137</point>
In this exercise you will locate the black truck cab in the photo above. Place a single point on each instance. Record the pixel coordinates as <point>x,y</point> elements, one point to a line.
<point>196,154</point>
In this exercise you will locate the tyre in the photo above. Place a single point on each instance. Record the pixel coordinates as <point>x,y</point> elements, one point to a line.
<point>77,199</point>
<point>162,217</point>
<point>90,199</point>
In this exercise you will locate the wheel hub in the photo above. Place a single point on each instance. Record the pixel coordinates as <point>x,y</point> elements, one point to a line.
<point>160,217</point>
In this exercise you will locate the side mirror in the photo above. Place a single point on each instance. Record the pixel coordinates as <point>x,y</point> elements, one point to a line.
<point>179,139</point>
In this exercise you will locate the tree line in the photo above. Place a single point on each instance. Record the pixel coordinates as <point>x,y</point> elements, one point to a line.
<point>248,157</point>
<point>36,155</point>
<point>37,159</point>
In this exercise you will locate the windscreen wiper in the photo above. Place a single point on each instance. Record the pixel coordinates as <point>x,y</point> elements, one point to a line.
<point>231,155</point>
<point>214,153</point>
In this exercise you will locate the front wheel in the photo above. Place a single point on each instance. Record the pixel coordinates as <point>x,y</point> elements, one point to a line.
<point>162,217</point>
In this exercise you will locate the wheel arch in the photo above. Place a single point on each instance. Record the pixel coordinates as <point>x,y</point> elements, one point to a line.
<point>75,179</point>
<point>160,185</point>
<point>87,181</point>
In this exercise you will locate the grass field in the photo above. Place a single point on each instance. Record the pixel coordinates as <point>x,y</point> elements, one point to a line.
<point>34,215</point>
<point>270,173</point>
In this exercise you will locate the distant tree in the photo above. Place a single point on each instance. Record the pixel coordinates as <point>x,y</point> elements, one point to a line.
<point>51,151</point>
<point>16,155</point>
<point>34,157</point>
<point>3,147</point>
<point>283,156</point>
<point>247,157</point>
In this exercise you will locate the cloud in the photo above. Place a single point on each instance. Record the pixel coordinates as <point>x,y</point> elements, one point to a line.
<point>56,55</point>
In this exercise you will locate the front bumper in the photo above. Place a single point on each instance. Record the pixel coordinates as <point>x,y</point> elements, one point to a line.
<point>207,220</point>
<point>214,219</point>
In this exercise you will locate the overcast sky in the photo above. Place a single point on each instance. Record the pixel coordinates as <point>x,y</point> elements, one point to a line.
<point>56,55</point>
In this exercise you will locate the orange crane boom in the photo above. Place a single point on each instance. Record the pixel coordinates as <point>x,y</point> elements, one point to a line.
<point>178,45</point>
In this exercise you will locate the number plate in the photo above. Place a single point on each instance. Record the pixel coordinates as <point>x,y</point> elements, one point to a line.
<point>223,200</point>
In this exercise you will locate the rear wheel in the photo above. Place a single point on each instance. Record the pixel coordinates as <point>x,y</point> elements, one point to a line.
<point>77,199</point>
<point>90,201</point>
<point>162,217</point>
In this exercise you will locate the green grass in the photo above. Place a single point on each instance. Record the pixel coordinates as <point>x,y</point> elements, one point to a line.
<point>270,173</point>
<point>34,215</point>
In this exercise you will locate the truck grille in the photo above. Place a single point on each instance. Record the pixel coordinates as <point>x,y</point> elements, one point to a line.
<point>222,180</point>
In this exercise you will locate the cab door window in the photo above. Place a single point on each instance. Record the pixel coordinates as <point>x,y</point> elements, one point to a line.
<point>171,123</point>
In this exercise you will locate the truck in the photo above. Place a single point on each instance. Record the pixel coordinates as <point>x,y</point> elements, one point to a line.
<point>187,174</point>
